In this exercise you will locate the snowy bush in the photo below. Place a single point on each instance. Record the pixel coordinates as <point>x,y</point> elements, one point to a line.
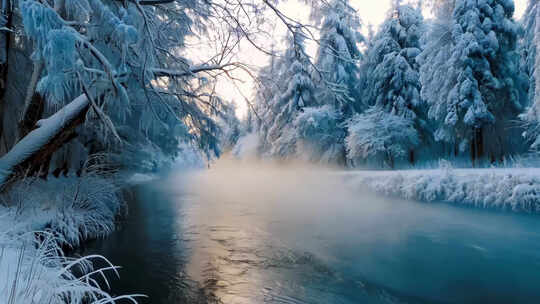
<point>517,190</point>
<point>319,136</point>
<point>376,134</point>
<point>38,218</point>
<point>73,209</point>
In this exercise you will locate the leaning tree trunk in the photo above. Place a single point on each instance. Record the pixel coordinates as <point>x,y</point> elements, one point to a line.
<point>31,155</point>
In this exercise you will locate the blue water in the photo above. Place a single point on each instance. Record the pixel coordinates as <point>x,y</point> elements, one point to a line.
<point>248,234</point>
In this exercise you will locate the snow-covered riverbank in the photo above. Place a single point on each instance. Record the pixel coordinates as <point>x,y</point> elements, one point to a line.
<point>37,219</point>
<point>515,189</point>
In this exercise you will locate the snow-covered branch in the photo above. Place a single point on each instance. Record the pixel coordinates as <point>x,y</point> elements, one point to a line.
<point>193,70</point>
<point>34,151</point>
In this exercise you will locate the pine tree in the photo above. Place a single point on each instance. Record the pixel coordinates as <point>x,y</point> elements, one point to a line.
<point>337,57</point>
<point>477,92</point>
<point>295,92</point>
<point>390,79</point>
<point>530,42</point>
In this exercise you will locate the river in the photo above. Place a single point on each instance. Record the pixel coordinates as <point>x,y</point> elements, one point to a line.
<point>254,233</point>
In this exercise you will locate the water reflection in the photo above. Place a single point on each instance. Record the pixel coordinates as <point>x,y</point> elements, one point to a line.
<point>264,234</point>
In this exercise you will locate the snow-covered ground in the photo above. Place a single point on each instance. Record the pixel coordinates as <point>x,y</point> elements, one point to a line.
<point>37,218</point>
<point>515,189</point>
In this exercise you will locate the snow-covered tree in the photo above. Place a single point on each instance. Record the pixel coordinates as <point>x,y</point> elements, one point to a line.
<point>124,58</point>
<point>230,127</point>
<point>295,90</point>
<point>377,135</point>
<point>471,79</point>
<point>390,80</point>
<point>320,135</point>
<point>337,57</point>
<point>530,42</point>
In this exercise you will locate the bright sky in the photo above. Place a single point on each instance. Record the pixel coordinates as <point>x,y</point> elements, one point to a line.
<point>370,11</point>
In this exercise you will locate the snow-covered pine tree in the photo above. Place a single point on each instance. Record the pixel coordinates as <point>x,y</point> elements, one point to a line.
<point>437,75</point>
<point>229,127</point>
<point>263,112</point>
<point>295,92</point>
<point>530,43</point>
<point>475,93</point>
<point>337,57</point>
<point>390,78</point>
<point>319,131</point>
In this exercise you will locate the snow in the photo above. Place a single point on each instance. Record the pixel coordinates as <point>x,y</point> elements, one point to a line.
<point>513,189</point>
<point>37,218</point>
<point>35,140</point>
<point>141,178</point>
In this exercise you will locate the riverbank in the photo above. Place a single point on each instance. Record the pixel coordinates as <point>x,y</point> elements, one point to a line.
<point>39,221</point>
<point>512,189</point>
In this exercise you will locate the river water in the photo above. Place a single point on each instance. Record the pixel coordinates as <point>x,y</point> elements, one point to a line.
<point>257,233</point>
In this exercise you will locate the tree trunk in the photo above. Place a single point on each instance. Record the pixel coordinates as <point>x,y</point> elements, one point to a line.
<point>479,137</point>
<point>30,93</point>
<point>411,157</point>
<point>473,149</point>
<point>5,22</point>
<point>31,155</point>
<point>477,145</point>
<point>32,115</point>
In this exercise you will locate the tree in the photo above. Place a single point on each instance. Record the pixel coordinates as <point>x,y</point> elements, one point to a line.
<point>320,135</point>
<point>379,135</point>
<point>337,57</point>
<point>144,97</point>
<point>390,80</point>
<point>478,87</point>
<point>295,91</point>
<point>530,42</point>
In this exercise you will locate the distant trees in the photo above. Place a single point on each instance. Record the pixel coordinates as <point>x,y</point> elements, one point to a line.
<point>455,86</point>
<point>320,130</point>
<point>293,91</point>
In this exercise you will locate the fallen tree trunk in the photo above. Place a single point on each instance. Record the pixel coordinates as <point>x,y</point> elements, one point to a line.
<point>33,152</point>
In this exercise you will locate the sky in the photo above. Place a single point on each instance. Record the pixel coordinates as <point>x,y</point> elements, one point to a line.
<point>370,11</point>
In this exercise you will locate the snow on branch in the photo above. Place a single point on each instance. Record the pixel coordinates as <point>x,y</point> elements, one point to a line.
<point>193,70</point>
<point>34,149</point>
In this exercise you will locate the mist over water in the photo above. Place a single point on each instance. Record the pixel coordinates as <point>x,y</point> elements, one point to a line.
<point>250,232</point>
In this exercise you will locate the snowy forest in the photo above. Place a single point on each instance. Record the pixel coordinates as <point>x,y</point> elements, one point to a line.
<point>438,103</point>
<point>460,86</point>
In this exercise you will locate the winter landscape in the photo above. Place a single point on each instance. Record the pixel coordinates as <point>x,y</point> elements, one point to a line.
<point>269,151</point>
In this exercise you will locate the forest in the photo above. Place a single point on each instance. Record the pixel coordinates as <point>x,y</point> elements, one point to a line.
<point>460,87</point>
<point>438,103</point>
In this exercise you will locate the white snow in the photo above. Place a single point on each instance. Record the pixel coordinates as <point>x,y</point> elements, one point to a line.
<point>47,129</point>
<point>515,189</point>
<point>36,218</point>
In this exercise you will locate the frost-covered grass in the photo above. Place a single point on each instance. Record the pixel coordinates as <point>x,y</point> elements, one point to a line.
<point>41,274</point>
<point>37,219</point>
<point>74,209</point>
<point>515,189</point>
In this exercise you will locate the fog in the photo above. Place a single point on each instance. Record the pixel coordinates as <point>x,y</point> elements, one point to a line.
<point>403,249</point>
<point>261,232</point>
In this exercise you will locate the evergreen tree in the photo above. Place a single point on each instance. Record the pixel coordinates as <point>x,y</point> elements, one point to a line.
<point>390,80</point>
<point>337,57</point>
<point>295,90</point>
<point>530,42</point>
<point>475,95</point>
